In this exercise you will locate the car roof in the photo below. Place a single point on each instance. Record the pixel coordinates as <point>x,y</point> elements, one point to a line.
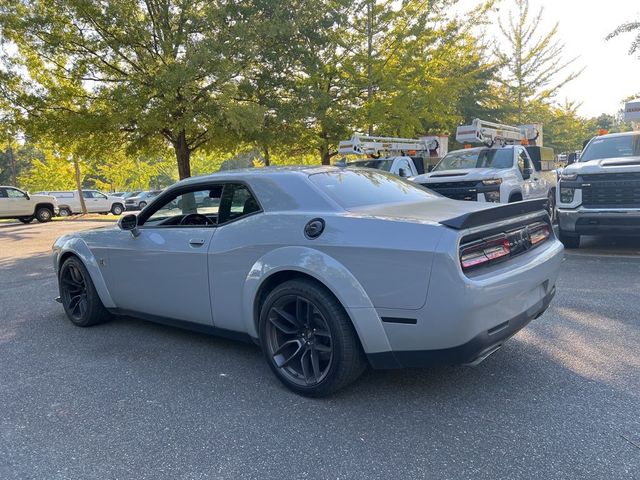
<point>619,134</point>
<point>264,172</point>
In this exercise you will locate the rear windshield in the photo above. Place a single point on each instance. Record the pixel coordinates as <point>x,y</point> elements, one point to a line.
<point>465,159</point>
<point>612,147</point>
<point>382,164</point>
<point>358,188</point>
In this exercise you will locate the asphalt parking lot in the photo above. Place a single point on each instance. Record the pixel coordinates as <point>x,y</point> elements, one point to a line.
<point>131,399</point>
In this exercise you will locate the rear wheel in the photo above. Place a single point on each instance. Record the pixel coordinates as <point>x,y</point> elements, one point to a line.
<point>308,339</point>
<point>44,214</point>
<point>79,296</point>
<point>26,219</point>
<point>117,209</point>
<point>569,241</point>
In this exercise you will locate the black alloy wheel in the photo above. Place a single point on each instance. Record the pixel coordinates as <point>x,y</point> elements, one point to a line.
<point>74,292</point>
<point>308,339</point>
<point>79,296</point>
<point>299,340</point>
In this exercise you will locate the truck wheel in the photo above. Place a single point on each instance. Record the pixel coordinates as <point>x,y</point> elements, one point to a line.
<point>43,214</point>
<point>569,241</point>
<point>26,219</point>
<point>117,209</point>
<point>308,339</point>
<point>65,212</point>
<point>141,205</point>
<point>551,206</point>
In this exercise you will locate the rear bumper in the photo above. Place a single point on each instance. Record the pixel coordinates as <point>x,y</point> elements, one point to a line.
<point>587,221</point>
<point>476,349</point>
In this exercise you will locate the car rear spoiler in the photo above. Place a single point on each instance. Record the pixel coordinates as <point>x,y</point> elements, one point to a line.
<point>495,214</point>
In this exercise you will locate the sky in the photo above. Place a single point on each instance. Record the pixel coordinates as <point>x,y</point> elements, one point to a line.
<point>610,74</point>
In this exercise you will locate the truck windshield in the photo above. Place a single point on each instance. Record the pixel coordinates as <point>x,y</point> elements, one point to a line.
<point>486,158</point>
<point>360,188</point>
<point>379,164</point>
<point>612,147</point>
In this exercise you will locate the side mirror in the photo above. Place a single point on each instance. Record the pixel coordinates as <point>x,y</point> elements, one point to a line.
<point>129,223</point>
<point>526,173</point>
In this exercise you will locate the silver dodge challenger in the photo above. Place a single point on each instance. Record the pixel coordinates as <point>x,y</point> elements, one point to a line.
<point>329,269</point>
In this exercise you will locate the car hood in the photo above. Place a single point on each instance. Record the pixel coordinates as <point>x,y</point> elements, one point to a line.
<point>605,165</point>
<point>466,175</point>
<point>434,210</point>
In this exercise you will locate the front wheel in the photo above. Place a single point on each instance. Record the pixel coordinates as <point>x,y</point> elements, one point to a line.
<point>551,206</point>
<point>308,339</point>
<point>117,209</point>
<point>79,296</point>
<point>43,214</point>
<point>141,205</point>
<point>65,212</point>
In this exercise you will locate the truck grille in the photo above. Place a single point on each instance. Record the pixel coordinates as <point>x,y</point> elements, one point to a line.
<point>614,190</point>
<point>455,190</point>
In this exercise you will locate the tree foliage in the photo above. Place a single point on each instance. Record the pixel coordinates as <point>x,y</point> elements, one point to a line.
<point>629,27</point>
<point>533,66</point>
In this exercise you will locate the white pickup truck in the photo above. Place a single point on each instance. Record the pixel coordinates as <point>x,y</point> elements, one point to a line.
<point>500,174</point>
<point>600,194</point>
<point>18,204</point>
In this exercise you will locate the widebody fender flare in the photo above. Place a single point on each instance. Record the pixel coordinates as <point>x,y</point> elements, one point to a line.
<point>78,247</point>
<point>333,275</point>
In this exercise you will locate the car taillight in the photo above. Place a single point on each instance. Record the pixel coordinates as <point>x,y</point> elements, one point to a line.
<point>539,233</point>
<point>485,251</point>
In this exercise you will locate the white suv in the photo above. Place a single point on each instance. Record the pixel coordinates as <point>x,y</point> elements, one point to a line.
<point>15,203</point>
<point>96,202</point>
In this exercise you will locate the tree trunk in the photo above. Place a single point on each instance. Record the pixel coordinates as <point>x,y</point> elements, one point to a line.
<point>12,162</point>
<point>369,60</point>
<point>266,155</point>
<point>325,155</point>
<point>76,168</point>
<point>183,155</point>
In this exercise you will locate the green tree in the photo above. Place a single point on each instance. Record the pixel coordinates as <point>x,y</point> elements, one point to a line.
<point>167,69</point>
<point>533,67</point>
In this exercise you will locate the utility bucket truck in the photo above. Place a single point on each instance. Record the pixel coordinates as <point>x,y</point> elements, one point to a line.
<point>405,157</point>
<point>510,165</point>
<point>600,193</point>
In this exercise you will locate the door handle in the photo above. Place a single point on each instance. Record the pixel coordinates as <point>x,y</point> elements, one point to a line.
<point>196,242</point>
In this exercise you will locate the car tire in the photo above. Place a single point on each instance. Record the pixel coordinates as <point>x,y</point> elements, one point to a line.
<point>308,339</point>
<point>65,212</point>
<point>26,219</point>
<point>569,241</point>
<point>551,206</point>
<point>79,296</point>
<point>141,205</point>
<point>117,209</point>
<point>43,214</point>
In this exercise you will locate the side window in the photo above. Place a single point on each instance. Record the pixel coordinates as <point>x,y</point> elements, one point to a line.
<point>237,201</point>
<point>404,170</point>
<point>523,160</point>
<point>195,208</point>
<point>99,195</point>
<point>13,193</point>
<point>87,194</point>
<point>3,193</point>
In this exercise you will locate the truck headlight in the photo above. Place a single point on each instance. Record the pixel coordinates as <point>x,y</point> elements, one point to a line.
<point>492,196</point>
<point>568,176</point>
<point>567,194</point>
<point>492,181</point>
